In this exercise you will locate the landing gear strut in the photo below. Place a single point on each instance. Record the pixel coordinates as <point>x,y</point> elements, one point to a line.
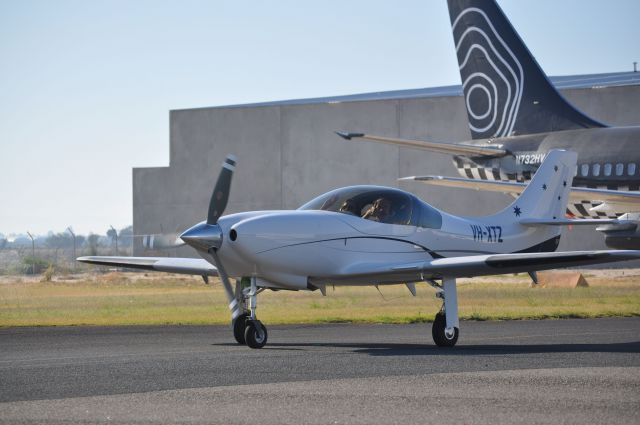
<point>255,333</point>
<point>445,326</point>
<point>247,329</point>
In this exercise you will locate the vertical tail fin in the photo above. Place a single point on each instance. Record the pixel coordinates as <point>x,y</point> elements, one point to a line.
<point>505,90</point>
<point>547,194</point>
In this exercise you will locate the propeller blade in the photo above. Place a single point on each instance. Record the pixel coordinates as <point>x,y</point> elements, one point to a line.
<point>220,194</point>
<point>234,306</point>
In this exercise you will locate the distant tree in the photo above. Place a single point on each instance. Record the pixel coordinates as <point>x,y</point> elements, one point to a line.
<point>125,236</point>
<point>22,240</point>
<point>59,240</point>
<point>93,242</point>
<point>111,234</point>
<point>3,242</point>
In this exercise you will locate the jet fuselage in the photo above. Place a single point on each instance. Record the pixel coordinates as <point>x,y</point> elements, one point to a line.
<point>608,158</point>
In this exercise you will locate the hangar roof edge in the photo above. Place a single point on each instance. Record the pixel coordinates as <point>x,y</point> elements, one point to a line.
<point>587,81</point>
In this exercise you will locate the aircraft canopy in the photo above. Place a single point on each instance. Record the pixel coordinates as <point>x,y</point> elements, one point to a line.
<point>382,204</point>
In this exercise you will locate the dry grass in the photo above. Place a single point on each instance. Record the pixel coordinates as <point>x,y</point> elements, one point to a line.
<point>154,299</point>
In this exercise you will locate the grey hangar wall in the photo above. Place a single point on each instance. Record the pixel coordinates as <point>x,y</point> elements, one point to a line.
<point>288,153</point>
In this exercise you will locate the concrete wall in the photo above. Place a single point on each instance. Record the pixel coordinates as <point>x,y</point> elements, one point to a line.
<point>288,154</point>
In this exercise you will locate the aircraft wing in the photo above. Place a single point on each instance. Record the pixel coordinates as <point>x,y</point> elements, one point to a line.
<point>477,265</point>
<point>577,194</point>
<point>194,266</point>
<point>448,148</point>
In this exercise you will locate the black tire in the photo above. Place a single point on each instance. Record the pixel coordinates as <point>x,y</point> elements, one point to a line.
<point>439,336</point>
<point>255,334</point>
<point>239,324</point>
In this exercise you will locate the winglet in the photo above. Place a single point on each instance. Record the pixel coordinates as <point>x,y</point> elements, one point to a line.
<point>348,136</point>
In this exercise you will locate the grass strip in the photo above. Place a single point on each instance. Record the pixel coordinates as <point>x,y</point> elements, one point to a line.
<point>135,299</point>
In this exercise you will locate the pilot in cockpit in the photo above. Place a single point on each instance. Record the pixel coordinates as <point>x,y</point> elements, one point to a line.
<point>349,207</point>
<point>380,211</point>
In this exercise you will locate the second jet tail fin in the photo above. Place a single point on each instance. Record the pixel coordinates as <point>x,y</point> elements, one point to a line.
<point>506,92</point>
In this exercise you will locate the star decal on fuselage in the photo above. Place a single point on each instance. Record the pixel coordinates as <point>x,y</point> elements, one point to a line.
<point>517,211</point>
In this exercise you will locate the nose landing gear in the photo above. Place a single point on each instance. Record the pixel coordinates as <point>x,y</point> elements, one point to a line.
<point>247,329</point>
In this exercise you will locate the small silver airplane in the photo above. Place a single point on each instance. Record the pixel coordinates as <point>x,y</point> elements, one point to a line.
<point>371,235</point>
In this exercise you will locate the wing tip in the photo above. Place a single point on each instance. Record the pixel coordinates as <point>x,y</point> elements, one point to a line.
<point>348,136</point>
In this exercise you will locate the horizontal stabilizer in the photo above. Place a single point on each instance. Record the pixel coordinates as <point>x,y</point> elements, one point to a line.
<point>462,183</point>
<point>571,222</point>
<point>627,199</point>
<point>193,266</point>
<point>446,148</point>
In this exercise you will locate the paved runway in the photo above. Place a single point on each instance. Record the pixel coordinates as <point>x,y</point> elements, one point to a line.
<point>570,371</point>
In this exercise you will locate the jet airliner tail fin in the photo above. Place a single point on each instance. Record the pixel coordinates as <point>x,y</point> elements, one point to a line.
<point>506,92</point>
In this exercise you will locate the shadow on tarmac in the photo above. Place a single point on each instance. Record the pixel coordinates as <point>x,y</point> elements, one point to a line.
<point>375,349</point>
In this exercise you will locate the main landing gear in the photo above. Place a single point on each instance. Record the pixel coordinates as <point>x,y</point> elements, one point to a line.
<point>247,329</point>
<point>445,326</point>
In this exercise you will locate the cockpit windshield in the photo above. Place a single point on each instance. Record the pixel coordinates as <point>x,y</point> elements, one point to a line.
<point>384,205</point>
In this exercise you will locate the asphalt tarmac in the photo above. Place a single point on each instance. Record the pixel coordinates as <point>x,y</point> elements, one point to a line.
<point>552,371</point>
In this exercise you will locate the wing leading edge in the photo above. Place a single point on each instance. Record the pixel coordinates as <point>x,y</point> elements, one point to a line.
<point>193,266</point>
<point>477,265</point>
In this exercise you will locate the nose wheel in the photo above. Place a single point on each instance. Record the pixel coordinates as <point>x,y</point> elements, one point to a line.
<point>255,334</point>
<point>247,329</point>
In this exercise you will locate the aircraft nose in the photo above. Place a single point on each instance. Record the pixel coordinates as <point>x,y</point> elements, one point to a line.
<point>272,231</point>
<point>247,238</point>
<point>203,236</point>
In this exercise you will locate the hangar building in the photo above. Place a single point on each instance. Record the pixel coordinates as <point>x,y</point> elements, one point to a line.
<point>288,153</point>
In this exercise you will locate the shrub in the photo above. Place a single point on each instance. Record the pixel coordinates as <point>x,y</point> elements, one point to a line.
<point>33,265</point>
<point>48,274</point>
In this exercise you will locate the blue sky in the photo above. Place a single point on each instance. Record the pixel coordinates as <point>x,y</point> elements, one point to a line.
<point>86,86</point>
